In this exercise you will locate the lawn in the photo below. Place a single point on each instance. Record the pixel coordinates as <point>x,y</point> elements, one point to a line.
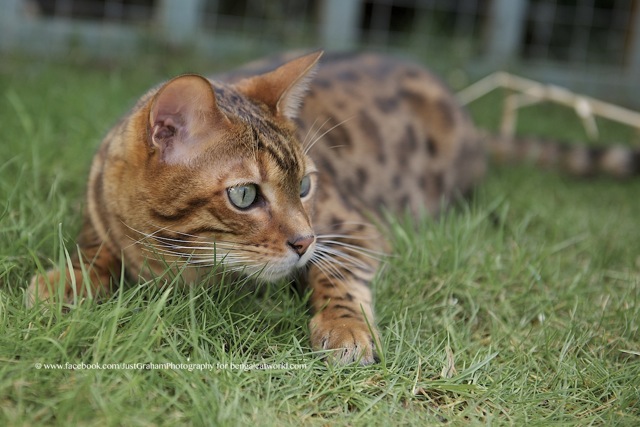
<point>521,306</point>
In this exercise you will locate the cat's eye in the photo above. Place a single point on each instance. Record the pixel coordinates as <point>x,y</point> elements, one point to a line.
<point>305,186</point>
<point>243,196</point>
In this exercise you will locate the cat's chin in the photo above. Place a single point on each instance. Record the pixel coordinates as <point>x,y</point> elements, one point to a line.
<point>273,273</point>
<point>283,268</point>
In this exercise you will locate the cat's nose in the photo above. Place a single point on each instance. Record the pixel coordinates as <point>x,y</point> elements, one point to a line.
<point>300,244</point>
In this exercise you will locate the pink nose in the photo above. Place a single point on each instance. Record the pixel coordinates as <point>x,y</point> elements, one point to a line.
<point>300,244</point>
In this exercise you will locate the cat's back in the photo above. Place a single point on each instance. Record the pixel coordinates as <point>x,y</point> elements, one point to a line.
<point>385,130</point>
<point>395,135</point>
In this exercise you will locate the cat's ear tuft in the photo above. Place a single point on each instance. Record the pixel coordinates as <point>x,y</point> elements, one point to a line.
<point>283,89</point>
<point>182,112</point>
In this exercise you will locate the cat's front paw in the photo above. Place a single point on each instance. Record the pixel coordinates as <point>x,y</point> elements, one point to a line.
<point>351,340</point>
<point>73,283</point>
<point>43,287</point>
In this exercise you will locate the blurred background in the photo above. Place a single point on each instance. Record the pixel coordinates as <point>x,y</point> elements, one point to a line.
<point>590,46</point>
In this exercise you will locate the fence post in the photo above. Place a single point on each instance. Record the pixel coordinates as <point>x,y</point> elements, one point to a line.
<point>634,46</point>
<point>9,23</point>
<point>339,21</point>
<point>506,29</point>
<point>179,20</point>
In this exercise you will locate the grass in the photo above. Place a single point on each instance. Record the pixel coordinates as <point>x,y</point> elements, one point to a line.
<point>519,307</point>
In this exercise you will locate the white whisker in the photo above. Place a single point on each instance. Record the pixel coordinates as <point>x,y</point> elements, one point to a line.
<point>371,253</point>
<point>304,140</point>
<point>305,147</point>
<point>345,236</point>
<point>330,270</point>
<point>306,151</point>
<point>320,267</point>
<point>346,257</point>
<point>334,226</point>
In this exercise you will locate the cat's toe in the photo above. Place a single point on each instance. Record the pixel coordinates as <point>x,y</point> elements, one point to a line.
<point>56,283</point>
<point>348,340</point>
<point>40,287</point>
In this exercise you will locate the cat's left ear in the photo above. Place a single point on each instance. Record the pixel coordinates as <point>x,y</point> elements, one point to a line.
<point>182,114</point>
<point>283,89</point>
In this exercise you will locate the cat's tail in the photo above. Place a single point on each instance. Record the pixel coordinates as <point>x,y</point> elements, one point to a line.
<point>621,161</point>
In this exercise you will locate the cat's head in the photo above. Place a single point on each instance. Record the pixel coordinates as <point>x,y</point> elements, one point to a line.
<point>225,177</point>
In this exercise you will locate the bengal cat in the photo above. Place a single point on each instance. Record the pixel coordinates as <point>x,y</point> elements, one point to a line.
<point>274,171</point>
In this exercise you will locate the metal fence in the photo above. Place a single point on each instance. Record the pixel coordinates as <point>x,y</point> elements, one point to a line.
<point>589,45</point>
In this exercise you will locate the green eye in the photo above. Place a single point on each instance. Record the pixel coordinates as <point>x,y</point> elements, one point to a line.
<point>305,186</point>
<point>242,196</point>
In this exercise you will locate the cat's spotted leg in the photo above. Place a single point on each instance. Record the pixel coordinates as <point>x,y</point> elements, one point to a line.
<point>341,301</point>
<point>90,274</point>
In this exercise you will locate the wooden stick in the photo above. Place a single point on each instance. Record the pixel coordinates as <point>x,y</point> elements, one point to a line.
<point>586,107</point>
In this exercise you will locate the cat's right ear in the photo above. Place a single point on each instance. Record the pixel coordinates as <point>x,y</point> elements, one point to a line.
<point>182,113</point>
<point>283,89</point>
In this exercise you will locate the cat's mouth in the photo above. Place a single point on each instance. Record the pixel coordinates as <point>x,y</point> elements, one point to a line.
<point>280,268</point>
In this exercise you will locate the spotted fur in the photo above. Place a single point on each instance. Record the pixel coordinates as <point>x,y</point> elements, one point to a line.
<point>326,148</point>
